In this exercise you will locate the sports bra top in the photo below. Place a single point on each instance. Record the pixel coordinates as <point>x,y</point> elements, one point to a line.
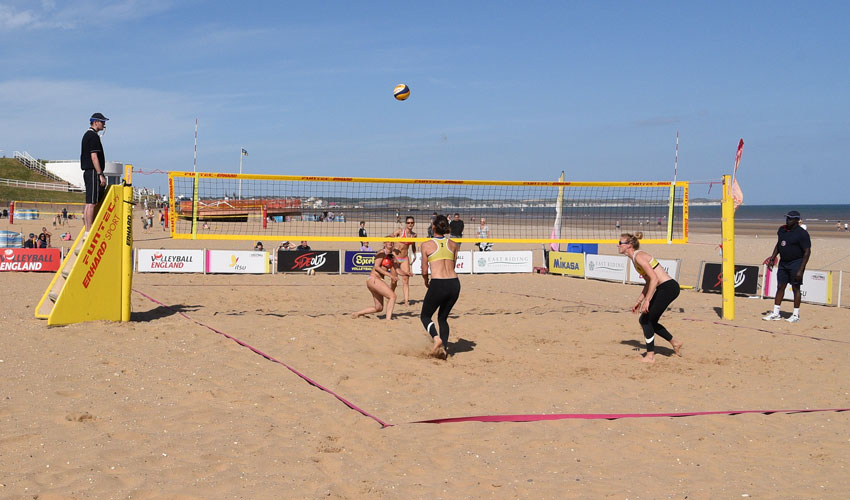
<point>404,234</point>
<point>652,262</point>
<point>443,251</point>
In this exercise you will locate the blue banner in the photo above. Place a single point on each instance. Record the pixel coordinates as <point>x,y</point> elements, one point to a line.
<point>359,262</point>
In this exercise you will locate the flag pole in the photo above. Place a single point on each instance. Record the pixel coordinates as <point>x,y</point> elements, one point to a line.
<point>670,210</point>
<point>195,158</point>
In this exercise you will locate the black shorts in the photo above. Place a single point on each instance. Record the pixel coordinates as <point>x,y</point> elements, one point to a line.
<point>94,191</point>
<point>787,272</point>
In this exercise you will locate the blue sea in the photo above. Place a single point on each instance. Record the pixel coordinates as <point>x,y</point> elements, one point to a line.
<point>774,213</point>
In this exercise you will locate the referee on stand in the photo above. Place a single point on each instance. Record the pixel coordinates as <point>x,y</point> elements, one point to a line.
<point>92,163</point>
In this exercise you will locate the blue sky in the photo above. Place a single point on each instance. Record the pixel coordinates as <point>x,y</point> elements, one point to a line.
<point>499,90</point>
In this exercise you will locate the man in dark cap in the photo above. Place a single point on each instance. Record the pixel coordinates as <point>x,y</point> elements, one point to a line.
<point>92,162</point>
<point>794,248</point>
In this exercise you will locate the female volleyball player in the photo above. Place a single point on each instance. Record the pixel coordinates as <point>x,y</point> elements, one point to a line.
<point>404,257</point>
<point>658,293</point>
<point>439,254</point>
<point>384,266</point>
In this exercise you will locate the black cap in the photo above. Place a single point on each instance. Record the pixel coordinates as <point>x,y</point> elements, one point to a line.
<point>793,214</point>
<point>98,117</point>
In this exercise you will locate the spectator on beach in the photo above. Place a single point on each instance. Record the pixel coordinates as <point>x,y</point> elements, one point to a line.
<point>64,214</point>
<point>42,241</point>
<point>162,220</point>
<point>456,227</point>
<point>484,232</point>
<point>286,246</point>
<point>362,231</point>
<point>431,225</point>
<point>303,246</point>
<point>365,247</point>
<point>845,226</point>
<point>838,226</point>
<point>92,162</point>
<point>47,236</point>
<point>31,241</point>
<point>259,247</point>
<point>794,247</point>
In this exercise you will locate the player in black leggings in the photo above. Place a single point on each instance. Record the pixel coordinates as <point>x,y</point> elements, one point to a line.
<point>657,295</point>
<point>439,254</point>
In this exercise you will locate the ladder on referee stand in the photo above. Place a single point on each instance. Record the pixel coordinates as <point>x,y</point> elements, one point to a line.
<point>94,281</point>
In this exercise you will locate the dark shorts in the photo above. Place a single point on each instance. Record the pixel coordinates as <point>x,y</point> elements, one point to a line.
<point>94,191</point>
<point>787,272</point>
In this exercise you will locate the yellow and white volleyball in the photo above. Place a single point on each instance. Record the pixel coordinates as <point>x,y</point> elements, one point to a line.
<point>311,272</point>
<point>401,92</point>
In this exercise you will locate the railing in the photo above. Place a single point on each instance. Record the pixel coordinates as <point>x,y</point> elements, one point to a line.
<point>45,186</point>
<point>31,163</point>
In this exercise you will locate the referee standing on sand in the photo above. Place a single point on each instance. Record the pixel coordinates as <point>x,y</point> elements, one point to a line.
<point>794,248</point>
<point>92,163</point>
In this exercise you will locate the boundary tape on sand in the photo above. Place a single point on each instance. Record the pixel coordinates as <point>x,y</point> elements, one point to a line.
<point>272,359</point>
<point>488,418</point>
<point>768,331</point>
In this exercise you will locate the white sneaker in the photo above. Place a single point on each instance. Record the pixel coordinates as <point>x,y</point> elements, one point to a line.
<point>772,317</point>
<point>793,319</point>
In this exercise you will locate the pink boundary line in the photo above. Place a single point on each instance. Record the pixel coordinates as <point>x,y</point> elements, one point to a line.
<point>491,418</point>
<point>273,360</point>
<point>767,331</point>
<point>609,416</point>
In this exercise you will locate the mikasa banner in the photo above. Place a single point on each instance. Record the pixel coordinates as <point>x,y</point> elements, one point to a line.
<point>170,261</point>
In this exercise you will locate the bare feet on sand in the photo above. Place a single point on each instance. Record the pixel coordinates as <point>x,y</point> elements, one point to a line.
<point>648,357</point>
<point>438,351</point>
<point>677,346</point>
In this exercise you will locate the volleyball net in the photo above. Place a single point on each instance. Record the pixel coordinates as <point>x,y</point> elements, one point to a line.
<point>227,206</point>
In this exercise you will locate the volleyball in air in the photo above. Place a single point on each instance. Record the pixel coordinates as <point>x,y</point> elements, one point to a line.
<point>401,92</point>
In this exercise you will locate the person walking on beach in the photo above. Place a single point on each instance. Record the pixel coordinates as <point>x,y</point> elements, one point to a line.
<point>439,254</point>
<point>456,227</point>
<point>794,247</point>
<point>658,293</point>
<point>362,232</point>
<point>92,163</point>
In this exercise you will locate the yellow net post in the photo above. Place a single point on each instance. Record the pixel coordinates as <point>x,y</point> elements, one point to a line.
<point>728,266</point>
<point>127,244</point>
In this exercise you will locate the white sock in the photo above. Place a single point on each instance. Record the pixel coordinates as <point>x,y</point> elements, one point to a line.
<point>775,309</point>
<point>797,312</point>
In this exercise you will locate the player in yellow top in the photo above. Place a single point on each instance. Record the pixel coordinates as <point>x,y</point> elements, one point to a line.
<point>658,293</point>
<point>439,255</point>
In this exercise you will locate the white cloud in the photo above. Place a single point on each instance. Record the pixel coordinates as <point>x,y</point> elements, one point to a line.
<point>23,15</point>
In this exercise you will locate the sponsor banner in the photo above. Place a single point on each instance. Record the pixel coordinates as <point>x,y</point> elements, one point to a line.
<point>502,262</point>
<point>322,261</point>
<point>170,261</point>
<point>671,266</point>
<point>746,278</point>
<point>463,264</point>
<point>816,287</point>
<point>235,261</point>
<point>359,262</point>
<point>606,267</point>
<point>571,264</point>
<point>30,259</point>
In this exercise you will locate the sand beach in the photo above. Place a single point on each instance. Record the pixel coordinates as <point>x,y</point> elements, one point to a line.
<point>165,406</point>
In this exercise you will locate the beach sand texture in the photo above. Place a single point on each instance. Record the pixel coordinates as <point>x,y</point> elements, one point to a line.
<point>163,407</point>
